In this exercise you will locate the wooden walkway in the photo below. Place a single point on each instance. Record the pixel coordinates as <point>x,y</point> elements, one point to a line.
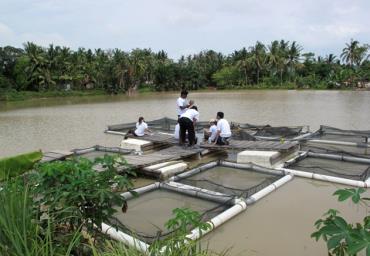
<point>55,155</point>
<point>253,145</point>
<point>158,138</point>
<point>164,155</point>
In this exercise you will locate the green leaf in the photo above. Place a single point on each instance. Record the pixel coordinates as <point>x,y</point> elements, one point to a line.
<point>357,247</point>
<point>334,241</point>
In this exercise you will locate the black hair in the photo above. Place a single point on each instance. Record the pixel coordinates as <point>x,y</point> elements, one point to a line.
<point>194,107</point>
<point>220,114</point>
<point>184,92</point>
<point>141,119</point>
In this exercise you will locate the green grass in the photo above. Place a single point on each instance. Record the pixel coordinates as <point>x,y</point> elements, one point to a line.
<point>17,165</point>
<point>13,95</point>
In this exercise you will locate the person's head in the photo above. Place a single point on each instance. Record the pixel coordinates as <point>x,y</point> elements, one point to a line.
<point>194,107</point>
<point>212,122</point>
<point>220,115</point>
<point>141,119</point>
<point>184,94</point>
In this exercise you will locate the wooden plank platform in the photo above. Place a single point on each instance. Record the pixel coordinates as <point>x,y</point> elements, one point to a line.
<point>161,138</point>
<point>55,155</point>
<point>253,145</point>
<point>168,154</point>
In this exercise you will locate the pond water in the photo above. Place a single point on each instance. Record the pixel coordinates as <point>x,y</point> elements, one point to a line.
<point>79,122</point>
<point>280,224</point>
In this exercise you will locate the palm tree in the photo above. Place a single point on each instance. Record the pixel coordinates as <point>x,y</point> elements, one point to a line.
<point>293,55</point>
<point>259,57</point>
<point>349,52</point>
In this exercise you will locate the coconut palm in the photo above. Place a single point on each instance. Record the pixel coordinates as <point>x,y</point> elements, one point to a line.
<point>259,57</point>
<point>349,52</point>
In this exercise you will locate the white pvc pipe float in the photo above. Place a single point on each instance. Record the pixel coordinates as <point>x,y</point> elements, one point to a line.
<point>267,190</point>
<point>127,195</point>
<point>310,175</point>
<point>193,171</point>
<point>197,192</point>
<point>84,151</point>
<point>341,143</point>
<point>218,220</point>
<point>250,166</point>
<point>340,158</point>
<point>125,238</point>
<point>296,158</point>
<point>115,133</point>
<point>300,137</point>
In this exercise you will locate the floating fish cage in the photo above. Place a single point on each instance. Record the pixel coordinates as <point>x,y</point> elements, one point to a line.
<point>338,168</point>
<point>266,132</point>
<point>164,125</point>
<point>99,151</point>
<point>144,221</point>
<point>243,184</point>
<point>239,180</point>
<point>332,140</point>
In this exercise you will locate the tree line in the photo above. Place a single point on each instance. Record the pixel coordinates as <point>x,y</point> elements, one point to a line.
<point>280,64</point>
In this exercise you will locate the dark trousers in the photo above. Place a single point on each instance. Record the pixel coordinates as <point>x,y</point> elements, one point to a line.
<point>186,125</point>
<point>222,141</point>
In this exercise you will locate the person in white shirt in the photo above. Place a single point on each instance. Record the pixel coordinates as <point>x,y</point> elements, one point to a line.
<point>213,132</point>
<point>210,134</point>
<point>182,103</point>
<point>141,128</point>
<point>223,130</point>
<point>187,123</point>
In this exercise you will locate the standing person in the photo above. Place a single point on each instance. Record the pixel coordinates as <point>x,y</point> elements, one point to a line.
<point>187,122</point>
<point>182,103</point>
<point>223,130</point>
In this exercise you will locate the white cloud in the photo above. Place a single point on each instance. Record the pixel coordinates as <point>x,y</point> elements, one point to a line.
<point>178,26</point>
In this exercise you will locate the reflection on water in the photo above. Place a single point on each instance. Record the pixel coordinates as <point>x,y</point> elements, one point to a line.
<point>79,122</point>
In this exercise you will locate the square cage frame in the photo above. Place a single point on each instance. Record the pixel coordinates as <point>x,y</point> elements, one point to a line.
<point>322,177</point>
<point>237,204</point>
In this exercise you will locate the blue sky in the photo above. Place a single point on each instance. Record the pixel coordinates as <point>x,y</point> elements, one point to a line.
<point>185,26</point>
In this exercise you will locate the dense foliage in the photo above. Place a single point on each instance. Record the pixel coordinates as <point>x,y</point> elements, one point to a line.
<point>280,64</point>
<point>343,238</point>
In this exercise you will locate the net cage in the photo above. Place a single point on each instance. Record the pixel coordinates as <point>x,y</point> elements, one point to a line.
<point>336,134</point>
<point>253,132</point>
<point>337,165</point>
<point>242,181</point>
<point>99,151</point>
<point>163,124</point>
<point>338,141</point>
<point>148,213</point>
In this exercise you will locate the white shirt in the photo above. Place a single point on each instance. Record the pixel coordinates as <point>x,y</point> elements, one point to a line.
<point>191,114</point>
<point>140,128</point>
<point>181,103</point>
<point>213,131</point>
<point>177,131</point>
<point>224,128</point>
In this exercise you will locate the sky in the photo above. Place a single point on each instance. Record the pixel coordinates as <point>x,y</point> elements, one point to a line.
<point>182,27</point>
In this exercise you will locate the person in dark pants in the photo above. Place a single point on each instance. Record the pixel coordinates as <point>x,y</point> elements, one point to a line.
<point>187,122</point>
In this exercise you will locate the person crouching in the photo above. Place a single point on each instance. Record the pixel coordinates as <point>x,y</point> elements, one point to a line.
<point>223,130</point>
<point>187,123</point>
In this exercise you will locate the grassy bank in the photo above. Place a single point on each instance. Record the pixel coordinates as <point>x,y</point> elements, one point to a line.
<point>26,95</point>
